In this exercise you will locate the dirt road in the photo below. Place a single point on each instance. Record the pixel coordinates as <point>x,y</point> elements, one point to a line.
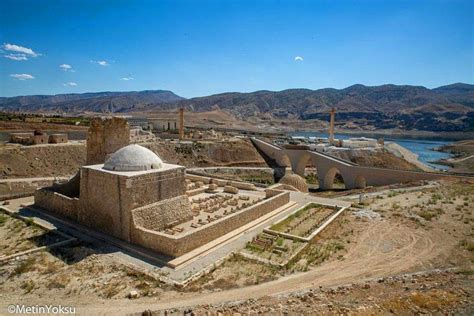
<point>381,250</point>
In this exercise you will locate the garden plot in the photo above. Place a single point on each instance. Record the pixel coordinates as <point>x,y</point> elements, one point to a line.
<point>279,244</point>
<point>18,235</point>
<point>304,221</point>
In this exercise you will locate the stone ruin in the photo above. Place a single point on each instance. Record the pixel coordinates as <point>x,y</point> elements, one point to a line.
<point>128,192</point>
<point>37,137</point>
<point>106,136</point>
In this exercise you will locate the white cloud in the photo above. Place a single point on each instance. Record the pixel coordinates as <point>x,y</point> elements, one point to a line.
<point>299,58</point>
<point>66,67</point>
<point>100,62</point>
<point>127,78</point>
<point>19,49</point>
<point>17,52</point>
<point>22,76</point>
<point>16,57</point>
<point>70,84</point>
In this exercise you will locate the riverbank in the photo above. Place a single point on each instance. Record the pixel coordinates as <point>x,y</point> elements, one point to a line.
<point>463,156</point>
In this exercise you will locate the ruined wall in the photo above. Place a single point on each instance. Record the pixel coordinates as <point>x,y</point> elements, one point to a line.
<point>22,187</point>
<point>163,214</point>
<point>58,138</point>
<point>176,245</point>
<point>106,136</point>
<point>221,182</point>
<point>40,139</point>
<point>57,203</point>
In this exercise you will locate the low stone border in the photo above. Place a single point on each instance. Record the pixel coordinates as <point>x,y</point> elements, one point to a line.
<point>305,240</point>
<point>69,239</point>
<point>326,222</point>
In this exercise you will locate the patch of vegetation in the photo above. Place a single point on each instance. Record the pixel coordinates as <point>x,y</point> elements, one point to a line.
<point>312,178</point>
<point>257,179</point>
<point>466,272</point>
<point>281,225</point>
<point>254,248</point>
<point>29,221</point>
<point>28,286</point>
<point>429,214</point>
<point>318,253</point>
<point>3,219</point>
<point>392,194</point>
<point>25,266</point>
<point>468,245</point>
<point>279,241</point>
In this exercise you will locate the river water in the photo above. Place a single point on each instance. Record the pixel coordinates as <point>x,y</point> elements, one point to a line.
<point>424,148</point>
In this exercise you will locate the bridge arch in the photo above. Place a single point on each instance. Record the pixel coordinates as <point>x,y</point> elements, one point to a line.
<point>360,182</point>
<point>328,181</point>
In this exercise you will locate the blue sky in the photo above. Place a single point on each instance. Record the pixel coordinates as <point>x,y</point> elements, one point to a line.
<point>197,48</point>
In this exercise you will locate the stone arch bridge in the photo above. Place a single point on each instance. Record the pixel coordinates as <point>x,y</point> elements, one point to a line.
<point>355,176</point>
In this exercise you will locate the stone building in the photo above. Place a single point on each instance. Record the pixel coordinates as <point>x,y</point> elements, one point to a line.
<point>29,138</point>
<point>131,194</point>
<point>58,138</point>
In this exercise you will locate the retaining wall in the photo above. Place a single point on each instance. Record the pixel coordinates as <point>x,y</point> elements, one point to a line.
<point>156,216</point>
<point>57,203</point>
<point>176,245</point>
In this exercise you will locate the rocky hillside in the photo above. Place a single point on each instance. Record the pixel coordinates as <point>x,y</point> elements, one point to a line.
<point>100,102</point>
<point>447,108</point>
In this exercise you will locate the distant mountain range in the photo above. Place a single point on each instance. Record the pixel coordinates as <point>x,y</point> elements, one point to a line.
<point>447,108</point>
<point>99,102</point>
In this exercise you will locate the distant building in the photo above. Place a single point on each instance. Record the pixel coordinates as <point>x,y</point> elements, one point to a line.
<point>360,142</point>
<point>37,137</point>
<point>162,125</point>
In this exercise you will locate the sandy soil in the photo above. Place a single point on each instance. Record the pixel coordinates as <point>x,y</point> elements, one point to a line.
<point>407,155</point>
<point>410,234</point>
<point>464,156</point>
<point>18,161</point>
<point>31,126</point>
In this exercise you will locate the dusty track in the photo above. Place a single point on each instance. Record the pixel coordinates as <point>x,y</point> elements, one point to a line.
<point>381,250</point>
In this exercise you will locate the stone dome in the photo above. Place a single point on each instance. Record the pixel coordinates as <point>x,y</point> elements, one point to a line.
<point>133,158</point>
<point>296,181</point>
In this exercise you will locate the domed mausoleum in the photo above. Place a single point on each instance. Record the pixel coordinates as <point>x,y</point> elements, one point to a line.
<point>294,180</point>
<point>133,184</point>
<point>133,158</point>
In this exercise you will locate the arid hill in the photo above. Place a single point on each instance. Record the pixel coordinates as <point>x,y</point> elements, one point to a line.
<point>447,108</point>
<point>100,102</point>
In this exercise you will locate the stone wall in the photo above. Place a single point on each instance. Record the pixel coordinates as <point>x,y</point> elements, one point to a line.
<point>107,198</point>
<point>164,214</point>
<point>150,187</point>
<point>176,245</point>
<point>271,192</point>
<point>221,182</point>
<point>106,136</point>
<point>22,187</point>
<point>101,202</point>
<point>58,138</point>
<point>57,203</point>
<point>281,186</point>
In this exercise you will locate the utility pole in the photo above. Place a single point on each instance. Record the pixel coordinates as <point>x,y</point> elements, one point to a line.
<point>181,123</point>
